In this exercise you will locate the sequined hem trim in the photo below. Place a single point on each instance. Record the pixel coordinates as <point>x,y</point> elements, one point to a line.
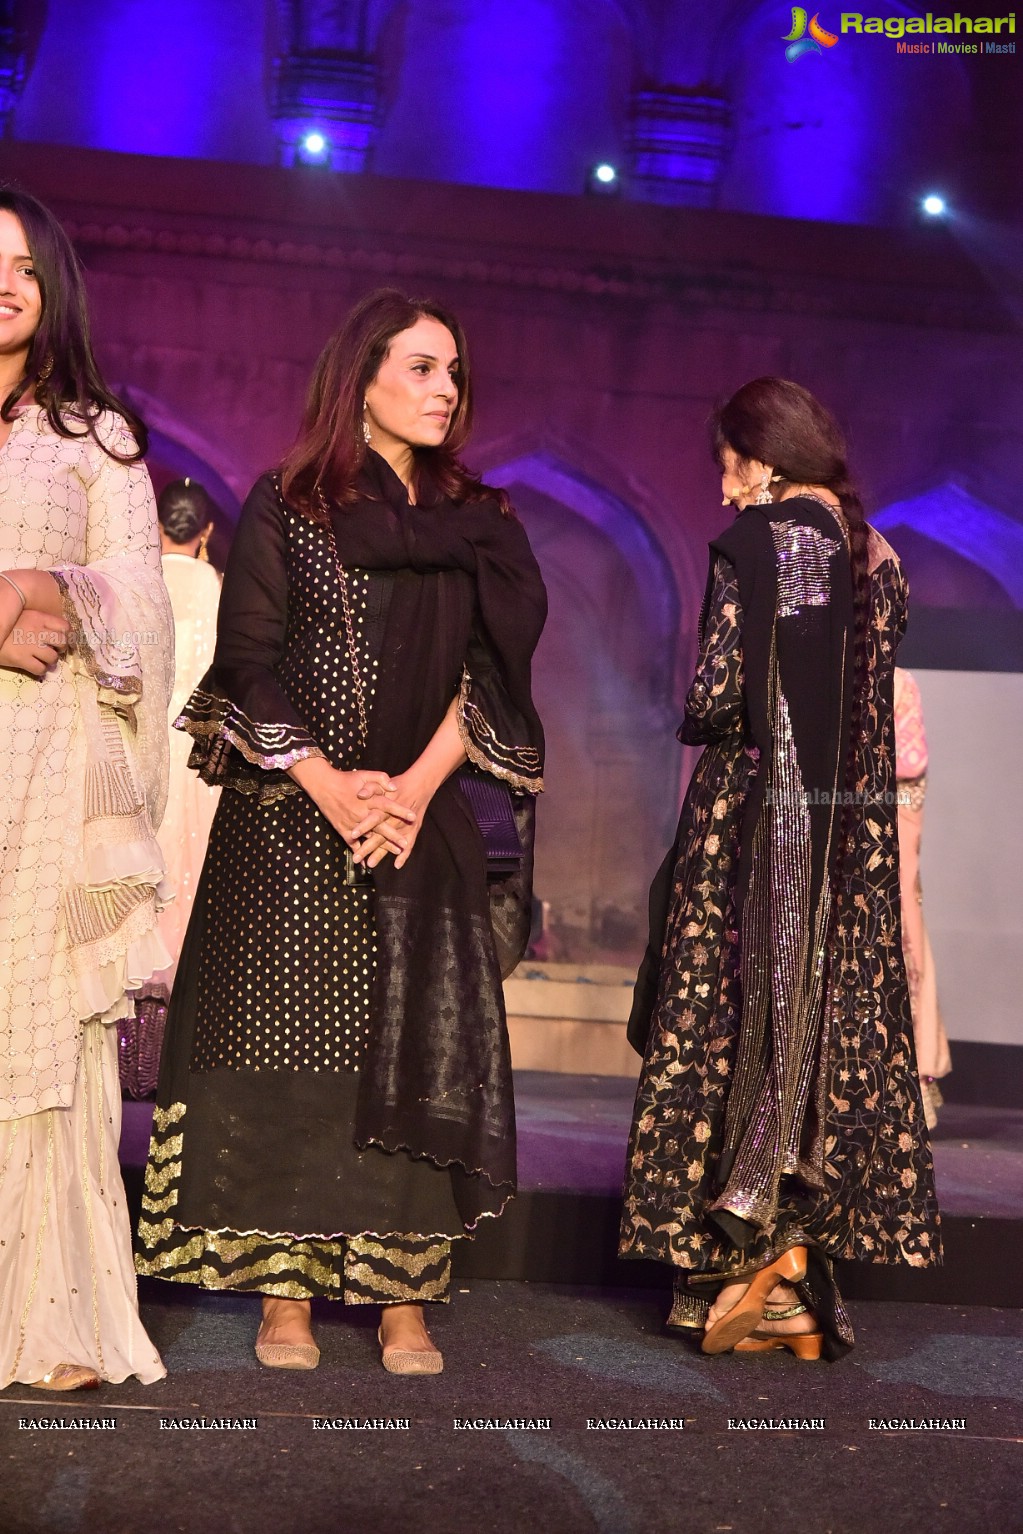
<point>161,1230</point>
<point>271,746</point>
<point>518,766</point>
<point>688,1312</point>
<point>486,1214</point>
<point>107,681</point>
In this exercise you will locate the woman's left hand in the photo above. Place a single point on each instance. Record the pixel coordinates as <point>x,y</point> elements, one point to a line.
<point>412,791</point>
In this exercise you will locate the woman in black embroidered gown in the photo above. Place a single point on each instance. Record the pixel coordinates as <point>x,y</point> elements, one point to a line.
<point>778,1120</point>
<point>335,1100</point>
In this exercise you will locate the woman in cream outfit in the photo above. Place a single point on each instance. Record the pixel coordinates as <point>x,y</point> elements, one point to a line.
<point>85,664</point>
<point>186,523</point>
<point>932,1053</point>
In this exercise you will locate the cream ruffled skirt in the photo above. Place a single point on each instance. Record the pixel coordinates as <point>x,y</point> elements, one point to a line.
<point>67,1284</point>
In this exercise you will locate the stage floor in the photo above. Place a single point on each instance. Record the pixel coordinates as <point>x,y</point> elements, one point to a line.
<point>573,1132</point>
<point>770,1444</point>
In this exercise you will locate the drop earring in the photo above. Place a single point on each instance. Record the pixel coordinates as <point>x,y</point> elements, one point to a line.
<point>45,370</point>
<point>763,496</point>
<point>367,434</point>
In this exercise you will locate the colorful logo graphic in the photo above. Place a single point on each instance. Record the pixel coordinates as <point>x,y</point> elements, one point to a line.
<point>798,41</point>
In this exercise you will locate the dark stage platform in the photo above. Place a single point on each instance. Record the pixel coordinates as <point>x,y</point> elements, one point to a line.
<point>535,1354</point>
<point>563,1226</point>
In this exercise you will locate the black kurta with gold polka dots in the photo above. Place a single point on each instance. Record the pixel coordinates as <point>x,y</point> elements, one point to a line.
<point>254,1180</point>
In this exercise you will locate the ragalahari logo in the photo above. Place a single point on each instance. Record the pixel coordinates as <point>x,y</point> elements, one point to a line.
<point>798,40</point>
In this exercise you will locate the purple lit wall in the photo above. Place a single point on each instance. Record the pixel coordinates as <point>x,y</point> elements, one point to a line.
<point>185,79</point>
<point>850,134</point>
<point>529,95</point>
<point>699,103</point>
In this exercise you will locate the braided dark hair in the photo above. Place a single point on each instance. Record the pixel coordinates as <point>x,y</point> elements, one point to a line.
<point>777,422</point>
<point>185,508</point>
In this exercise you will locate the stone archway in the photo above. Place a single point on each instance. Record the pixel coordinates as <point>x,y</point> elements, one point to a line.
<point>604,684</point>
<point>967,553</point>
<point>177,451</point>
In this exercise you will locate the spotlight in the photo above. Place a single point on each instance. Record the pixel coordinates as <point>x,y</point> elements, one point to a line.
<point>933,205</point>
<point>604,180</point>
<point>313,147</point>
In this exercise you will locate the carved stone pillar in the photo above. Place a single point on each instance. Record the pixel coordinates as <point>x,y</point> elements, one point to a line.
<point>678,139</point>
<point>13,64</point>
<point>326,81</point>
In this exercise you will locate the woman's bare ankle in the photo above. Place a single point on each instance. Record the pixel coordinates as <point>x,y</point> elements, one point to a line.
<point>286,1321</point>
<point>404,1326</point>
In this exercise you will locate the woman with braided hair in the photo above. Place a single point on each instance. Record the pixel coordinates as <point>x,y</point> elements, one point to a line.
<point>778,1120</point>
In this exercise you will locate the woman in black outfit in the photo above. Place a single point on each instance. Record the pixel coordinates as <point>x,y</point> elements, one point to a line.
<point>335,1102</point>
<point>778,1121</point>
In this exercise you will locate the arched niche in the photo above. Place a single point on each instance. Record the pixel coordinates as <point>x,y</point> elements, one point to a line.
<point>177,451</point>
<point>528,96</point>
<point>851,134</point>
<point>958,551</point>
<point>604,686</point>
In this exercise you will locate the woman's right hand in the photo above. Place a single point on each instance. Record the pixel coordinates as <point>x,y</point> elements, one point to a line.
<point>355,803</point>
<point>35,643</point>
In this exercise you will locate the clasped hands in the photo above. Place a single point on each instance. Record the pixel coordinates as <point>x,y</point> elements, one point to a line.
<point>378,816</point>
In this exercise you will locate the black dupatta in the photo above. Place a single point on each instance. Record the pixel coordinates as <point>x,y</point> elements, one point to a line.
<point>795,588</point>
<point>437,1078</point>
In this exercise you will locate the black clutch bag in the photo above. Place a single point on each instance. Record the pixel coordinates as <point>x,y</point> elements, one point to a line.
<point>491,802</point>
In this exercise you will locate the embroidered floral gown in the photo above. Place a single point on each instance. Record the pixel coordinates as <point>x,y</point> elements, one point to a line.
<point>871,1193</point>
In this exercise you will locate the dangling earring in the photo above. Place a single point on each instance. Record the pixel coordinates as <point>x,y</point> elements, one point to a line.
<point>204,539</point>
<point>367,434</point>
<point>763,496</point>
<point>45,371</point>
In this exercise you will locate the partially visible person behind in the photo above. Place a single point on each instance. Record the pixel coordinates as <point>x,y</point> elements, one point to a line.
<point>932,1053</point>
<point>86,645</point>
<point>186,512</point>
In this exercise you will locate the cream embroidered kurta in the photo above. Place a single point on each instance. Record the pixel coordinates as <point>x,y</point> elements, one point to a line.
<point>83,757</point>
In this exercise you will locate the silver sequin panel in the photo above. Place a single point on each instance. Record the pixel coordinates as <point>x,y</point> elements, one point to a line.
<point>804,556</point>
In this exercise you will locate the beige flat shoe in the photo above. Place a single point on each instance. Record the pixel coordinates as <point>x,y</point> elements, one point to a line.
<point>68,1377</point>
<point>288,1355</point>
<point>409,1360</point>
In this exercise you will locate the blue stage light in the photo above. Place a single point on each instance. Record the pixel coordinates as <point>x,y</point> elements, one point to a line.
<point>604,180</point>
<point>933,205</point>
<point>313,147</point>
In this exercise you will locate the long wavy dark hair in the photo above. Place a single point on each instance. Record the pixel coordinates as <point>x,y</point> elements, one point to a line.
<point>330,448</point>
<point>775,421</point>
<point>61,369</point>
